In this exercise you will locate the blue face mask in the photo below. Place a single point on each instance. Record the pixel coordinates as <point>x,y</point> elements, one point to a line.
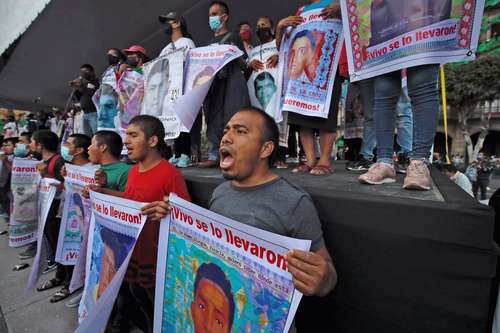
<point>21,150</point>
<point>65,154</point>
<point>214,22</point>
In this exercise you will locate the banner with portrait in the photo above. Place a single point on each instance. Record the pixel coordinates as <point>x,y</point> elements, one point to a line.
<point>383,36</point>
<point>309,58</point>
<point>76,213</point>
<point>202,65</point>
<point>114,228</point>
<point>106,102</point>
<point>263,83</point>
<point>163,83</point>
<point>24,215</point>
<point>130,90</point>
<point>46,194</point>
<point>234,271</point>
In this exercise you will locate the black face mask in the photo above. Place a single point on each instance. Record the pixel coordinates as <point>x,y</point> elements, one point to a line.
<point>132,63</point>
<point>36,155</point>
<point>168,30</point>
<point>112,60</point>
<point>264,34</point>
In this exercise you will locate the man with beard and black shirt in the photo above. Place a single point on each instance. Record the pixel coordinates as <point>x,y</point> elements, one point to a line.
<point>220,105</point>
<point>85,87</point>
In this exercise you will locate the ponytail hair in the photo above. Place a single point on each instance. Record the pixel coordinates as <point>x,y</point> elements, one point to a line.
<point>152,126</point>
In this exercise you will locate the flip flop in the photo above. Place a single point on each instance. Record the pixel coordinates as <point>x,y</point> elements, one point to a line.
<point>321,170</point>
<point>60,295</point>
<point>303,168</point>
<point>20,267</point>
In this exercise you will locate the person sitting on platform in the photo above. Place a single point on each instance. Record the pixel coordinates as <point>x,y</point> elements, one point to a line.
<point>458,178</point>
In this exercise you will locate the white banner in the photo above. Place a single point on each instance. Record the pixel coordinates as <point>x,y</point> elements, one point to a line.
<point>263,84</point>
<point>385,36</point>
<point>207,261</point>
<point>309,58</point>
<point>114,228</point>
<point>76,213</point>
<point>24,216</point>
<point>46,194</point>
<point>163,83</point>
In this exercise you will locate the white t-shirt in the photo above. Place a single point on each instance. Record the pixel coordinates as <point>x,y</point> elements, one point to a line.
<point>178,44</point>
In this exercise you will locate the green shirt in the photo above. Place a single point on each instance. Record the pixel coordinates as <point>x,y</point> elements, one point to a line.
<point>116,175</point>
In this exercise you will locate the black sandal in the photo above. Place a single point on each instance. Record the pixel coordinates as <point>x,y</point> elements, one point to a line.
<point>52,283</point>
<point>60,295</point>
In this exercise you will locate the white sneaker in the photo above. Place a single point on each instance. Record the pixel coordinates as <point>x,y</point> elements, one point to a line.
<point>417,177</point>
<point>379,173</point>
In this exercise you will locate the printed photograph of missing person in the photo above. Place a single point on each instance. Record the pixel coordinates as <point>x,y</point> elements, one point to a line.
<point>303,58</point>
<point>111,249</point>
<point>265,88</point>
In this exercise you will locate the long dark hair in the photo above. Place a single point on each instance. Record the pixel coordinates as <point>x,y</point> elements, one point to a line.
<point>184,28</point>
<point>152,126</point>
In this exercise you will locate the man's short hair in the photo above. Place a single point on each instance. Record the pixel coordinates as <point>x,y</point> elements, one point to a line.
<point>47,139</point>
<point>111,139</point>
<point>262,77</point>
<point>308,34</point>
<point>26,134</point>
<point>12,140</point>
<point>222,4</point>
<point>270,131</point>
<point>118,243</point>
<point>214,273</point>
<point>242,23</point>
<point>87,66</point>
<point>449,167</point>
<point>82,141</point>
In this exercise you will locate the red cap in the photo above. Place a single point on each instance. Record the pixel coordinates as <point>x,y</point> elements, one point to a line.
<point>135,49</point>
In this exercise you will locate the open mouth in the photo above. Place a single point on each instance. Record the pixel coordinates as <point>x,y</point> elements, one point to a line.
<point>226,158</point>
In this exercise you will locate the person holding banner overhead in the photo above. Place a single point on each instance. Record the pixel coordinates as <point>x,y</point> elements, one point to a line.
<point>228,92</point>
<point>302,67</point>
<point>177,31</point>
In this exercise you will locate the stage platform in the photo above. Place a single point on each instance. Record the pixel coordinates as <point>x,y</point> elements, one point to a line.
<point>407,261</point>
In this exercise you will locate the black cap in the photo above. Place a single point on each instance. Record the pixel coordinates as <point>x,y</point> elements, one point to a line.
<point>172,16</point>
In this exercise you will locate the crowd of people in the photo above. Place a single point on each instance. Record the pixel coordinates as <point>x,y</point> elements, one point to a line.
<point>243,142</point>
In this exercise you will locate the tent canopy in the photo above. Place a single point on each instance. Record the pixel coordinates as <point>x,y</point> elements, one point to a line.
<point>68,34</point>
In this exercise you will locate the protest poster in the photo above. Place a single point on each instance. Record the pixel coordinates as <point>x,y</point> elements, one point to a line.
<point>24,215</point>
<point>106,102</point>
<point>114,228</point>
<point>163,83</point>
<point>130,91</point>
<point>202,65</point>
<point>76,213</point>
<point>46,194</point>
<point>208,261</point>
<point>309,57</point>
<point>263,83</point>
<point>385,36</point>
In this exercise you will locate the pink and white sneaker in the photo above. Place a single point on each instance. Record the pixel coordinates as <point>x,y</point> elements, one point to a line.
<point>379,173</point>
<point>418,176</point>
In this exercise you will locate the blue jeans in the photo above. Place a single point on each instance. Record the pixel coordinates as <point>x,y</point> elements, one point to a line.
<point>404,122</point>
<point>424,95</point>
<point>90,123</point>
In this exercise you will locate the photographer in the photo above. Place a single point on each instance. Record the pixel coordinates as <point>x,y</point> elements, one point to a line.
<point>85,86</point>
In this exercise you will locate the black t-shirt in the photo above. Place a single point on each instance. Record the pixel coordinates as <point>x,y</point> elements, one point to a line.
<point>229,38</point>
<point>84,94</point>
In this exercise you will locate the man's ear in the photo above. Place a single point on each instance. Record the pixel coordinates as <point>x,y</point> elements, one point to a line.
<point>103,148</point>
<point>267,149</point>
<point>153,141</point>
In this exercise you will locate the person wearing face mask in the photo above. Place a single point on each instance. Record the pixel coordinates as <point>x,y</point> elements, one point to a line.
<point>85,87</point>
<point>136,57</point>
<point>228,92</point>
<point>179,38</point>
<point>245,31</point>
<point>22,145</point>
<point>75,150</point>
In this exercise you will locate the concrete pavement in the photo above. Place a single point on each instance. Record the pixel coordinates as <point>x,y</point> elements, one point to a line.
<point>28,312</point>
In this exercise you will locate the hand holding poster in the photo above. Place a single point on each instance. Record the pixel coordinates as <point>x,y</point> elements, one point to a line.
<point>163,83</point>
<point>309,57</point>
<point>202,65</point>
<point>263,84</point>
<point>46,194</point>
<point>385,36</point>
<point>114,228</point>
<point>76,213</point>
<point>207,261</point>
<point>24,216</point>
